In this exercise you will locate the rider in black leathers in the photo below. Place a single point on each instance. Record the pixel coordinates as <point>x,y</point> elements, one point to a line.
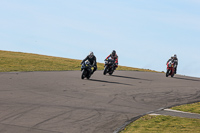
<point>175,63</point>
<point>92,59</point>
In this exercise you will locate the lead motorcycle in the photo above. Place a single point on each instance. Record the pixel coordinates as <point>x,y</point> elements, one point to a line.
<point>109,66</point>
<point>170,69</point>
<point>86,70</point>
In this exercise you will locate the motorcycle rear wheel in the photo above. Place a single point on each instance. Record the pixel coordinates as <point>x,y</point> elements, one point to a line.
<point>88,76</point>
<point>172,75</point>
<point>110,73</point>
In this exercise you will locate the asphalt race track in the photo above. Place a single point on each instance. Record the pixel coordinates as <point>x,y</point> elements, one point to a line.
<point>61,102</point>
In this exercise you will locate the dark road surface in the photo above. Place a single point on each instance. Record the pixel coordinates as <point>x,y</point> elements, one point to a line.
<point>61,102</point>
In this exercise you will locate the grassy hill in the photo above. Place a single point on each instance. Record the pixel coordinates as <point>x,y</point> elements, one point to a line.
<point>18,61</point>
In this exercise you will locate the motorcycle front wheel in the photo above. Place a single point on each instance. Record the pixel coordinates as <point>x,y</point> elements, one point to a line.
<point>167,73</point>
<point>105,70</point>
<point>83,74</point>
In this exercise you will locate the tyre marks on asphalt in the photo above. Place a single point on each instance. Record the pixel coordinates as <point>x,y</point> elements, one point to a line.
<point>62,102</point>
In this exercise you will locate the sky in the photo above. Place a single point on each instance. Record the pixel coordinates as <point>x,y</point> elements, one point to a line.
<point>144,33</point>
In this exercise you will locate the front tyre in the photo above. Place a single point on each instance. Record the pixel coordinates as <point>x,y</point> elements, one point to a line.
<point>167,73</point>
<point>105,70</point>
<point>83,74</point>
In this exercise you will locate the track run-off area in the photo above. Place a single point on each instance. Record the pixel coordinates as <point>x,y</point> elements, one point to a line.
<point>61,102</point>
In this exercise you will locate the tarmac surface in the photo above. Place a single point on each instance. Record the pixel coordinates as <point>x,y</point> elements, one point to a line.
<point>61,102</point>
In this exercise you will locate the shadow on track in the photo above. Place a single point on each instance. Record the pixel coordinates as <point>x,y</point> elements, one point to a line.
<point>130,77</point>
<point>187,79</point>
<point>97,80</point>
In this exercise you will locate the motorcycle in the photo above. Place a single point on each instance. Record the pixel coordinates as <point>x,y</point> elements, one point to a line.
<point>109,66</point>
<point>170,69</point>
<point>86,70</point>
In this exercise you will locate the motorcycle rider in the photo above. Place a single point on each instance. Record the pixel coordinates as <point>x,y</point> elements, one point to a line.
<point>92,59</point>
<point>174,59</point>
<point>114,56</point>
<point>175,63</point>
<point>171,59</point>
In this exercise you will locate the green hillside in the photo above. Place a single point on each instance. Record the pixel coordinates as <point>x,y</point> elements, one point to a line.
<point>18,61</point>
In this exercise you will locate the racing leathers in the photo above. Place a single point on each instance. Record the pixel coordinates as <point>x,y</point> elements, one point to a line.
<point>115,57</point>
<point>92,62</point>
<point>175,64</point>
<point>172,60</point>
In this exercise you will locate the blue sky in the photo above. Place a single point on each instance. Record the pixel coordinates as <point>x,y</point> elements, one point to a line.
<point>145,33</point>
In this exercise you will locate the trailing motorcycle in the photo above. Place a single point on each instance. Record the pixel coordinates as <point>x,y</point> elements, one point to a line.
<point>86,70</point>
<point>170,69</point>
<point>109,66</point>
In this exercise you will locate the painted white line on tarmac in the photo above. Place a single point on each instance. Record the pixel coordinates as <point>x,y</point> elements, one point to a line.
<point>154,114</point>
<point>177,111</point>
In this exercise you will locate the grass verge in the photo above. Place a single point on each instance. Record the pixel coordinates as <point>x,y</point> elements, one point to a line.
<point>164,124</point>
<point>192,108</point>
<point>17,61</point>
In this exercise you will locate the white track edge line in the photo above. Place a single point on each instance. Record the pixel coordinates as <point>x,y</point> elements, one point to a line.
<point>180,111</point>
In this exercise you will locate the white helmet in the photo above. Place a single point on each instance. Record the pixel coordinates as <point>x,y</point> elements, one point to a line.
<point>91,54</point>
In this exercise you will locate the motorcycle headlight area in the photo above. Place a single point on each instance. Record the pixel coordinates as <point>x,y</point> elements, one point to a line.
<point>87,63</point>
<point>170,65</point>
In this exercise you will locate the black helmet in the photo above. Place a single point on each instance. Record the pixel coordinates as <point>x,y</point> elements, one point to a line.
<point>113,53</point>
<point>175,56</point>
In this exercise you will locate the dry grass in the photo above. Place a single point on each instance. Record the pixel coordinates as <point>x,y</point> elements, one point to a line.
<point>193,108</point>
<point>163,124</point>
<point>17,61</point>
